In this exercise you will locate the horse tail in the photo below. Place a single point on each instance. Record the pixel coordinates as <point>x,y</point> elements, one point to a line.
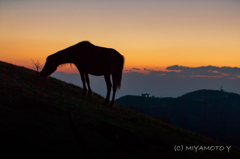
<point>118,71</point>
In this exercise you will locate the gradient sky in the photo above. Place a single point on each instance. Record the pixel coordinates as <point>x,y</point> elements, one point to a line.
<point>152,34</point>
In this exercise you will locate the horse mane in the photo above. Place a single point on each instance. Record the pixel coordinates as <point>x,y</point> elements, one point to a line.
<point>65,64</point>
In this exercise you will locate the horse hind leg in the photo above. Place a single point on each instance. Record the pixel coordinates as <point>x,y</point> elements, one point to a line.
<point>114,91</point>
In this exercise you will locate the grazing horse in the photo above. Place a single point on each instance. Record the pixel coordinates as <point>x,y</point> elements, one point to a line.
<point>89,59</point>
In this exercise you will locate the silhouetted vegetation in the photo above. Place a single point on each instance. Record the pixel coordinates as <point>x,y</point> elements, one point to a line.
<point>37,65</point>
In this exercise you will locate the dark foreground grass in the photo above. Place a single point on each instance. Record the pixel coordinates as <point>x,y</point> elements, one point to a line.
<point>49,118</point>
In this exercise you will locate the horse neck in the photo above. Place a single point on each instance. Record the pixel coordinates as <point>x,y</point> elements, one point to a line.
<point>63,57</point>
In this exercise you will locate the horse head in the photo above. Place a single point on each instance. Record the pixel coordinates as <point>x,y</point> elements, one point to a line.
<point>49,67</point>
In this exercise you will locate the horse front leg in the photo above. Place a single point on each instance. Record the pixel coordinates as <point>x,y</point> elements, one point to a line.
<point>90,93</point>
<point>109,86</point>
<point>84,83</point>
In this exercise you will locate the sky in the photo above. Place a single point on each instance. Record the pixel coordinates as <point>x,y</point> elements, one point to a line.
<point>167,44</point>
<point>150,34</point>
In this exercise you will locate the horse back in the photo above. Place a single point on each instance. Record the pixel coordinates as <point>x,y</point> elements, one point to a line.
<point>98,60</point>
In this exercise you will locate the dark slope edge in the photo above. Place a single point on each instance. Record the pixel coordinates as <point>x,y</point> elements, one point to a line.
<point>50,118</point>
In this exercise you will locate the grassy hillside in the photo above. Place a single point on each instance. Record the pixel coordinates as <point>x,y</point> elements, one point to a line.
<point>50,118</point>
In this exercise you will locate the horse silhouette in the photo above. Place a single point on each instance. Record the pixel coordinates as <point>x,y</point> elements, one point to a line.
<point>89,59</point>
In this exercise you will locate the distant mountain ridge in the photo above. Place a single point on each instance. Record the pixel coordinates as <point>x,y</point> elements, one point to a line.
<point>211,94</point>
<point>212,113</point>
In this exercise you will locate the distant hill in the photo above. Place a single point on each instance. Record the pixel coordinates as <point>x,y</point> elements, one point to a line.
<point>212,113</point>
<point>49,118</point>
<point>212,95</point>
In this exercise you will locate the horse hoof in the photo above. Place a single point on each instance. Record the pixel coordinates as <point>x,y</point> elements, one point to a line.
<point>112,104</point>
<point>84,92</point>
<point>105,103</point>
<point>90,94</point>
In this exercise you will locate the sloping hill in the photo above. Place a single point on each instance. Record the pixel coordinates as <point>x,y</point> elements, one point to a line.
<point>50,118</point>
